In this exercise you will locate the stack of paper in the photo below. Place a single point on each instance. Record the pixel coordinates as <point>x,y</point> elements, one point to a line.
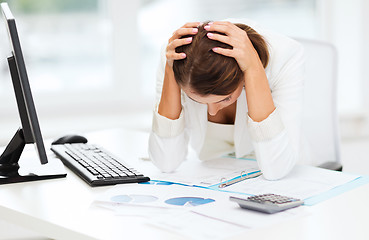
<point>191,211</point>
<point>190,201</point>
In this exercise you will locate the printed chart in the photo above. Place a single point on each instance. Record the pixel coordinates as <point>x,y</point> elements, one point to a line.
<point>159,194</point>
<point>133,198</point>
<point>188,201</point>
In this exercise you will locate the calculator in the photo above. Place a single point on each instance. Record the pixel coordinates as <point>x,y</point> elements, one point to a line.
<point>267,203</point>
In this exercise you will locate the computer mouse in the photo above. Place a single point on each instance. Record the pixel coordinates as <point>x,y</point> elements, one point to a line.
<point>70,139</point>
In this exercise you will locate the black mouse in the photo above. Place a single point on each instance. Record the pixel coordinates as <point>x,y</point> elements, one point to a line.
<point>70,139</point>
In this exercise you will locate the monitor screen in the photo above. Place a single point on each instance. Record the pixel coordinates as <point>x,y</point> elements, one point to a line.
<point>13,170</point>
<point>26,107</point>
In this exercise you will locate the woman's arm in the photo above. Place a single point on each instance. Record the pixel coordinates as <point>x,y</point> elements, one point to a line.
<point>277,139</point>
<point>168,142</point>
<point>170,102</point>
<point>259,98</point>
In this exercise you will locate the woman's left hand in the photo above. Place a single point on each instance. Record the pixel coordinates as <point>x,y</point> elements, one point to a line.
<point>243,50</point>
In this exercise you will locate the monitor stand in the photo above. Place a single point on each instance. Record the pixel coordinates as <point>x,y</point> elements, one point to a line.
<point>11,171</point>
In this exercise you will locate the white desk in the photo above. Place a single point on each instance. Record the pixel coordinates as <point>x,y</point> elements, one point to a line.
<point>61,208</point>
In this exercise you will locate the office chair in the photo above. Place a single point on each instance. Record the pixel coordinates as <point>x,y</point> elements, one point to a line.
<point>320,121</point>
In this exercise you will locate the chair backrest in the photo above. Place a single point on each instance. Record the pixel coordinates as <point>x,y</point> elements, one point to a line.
<point>320,121</point>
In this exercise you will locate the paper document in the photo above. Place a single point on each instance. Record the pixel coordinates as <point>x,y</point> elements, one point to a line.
<point>172,196</point>
<point>197,213</point>
<point>303,182</point>
<point>208,173</point>
<point>196,226</point>
<point>170,207</point>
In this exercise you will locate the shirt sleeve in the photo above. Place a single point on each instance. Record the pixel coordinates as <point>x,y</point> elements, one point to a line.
<point>165,127</point>
<point>168,141</point>
<point>266,129</point>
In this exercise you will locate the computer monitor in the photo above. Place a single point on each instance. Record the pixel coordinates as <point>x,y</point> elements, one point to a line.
<point>30,132</point>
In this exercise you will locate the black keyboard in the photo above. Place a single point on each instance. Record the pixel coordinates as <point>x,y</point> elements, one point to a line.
<point>95,165</point>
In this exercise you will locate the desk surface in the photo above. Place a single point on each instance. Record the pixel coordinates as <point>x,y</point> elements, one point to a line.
<point>62,208</point>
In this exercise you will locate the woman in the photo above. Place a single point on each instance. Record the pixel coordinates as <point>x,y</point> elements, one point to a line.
<point>228,87</point>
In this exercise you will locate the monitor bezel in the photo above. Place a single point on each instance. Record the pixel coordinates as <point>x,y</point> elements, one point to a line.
<point>27,113</point>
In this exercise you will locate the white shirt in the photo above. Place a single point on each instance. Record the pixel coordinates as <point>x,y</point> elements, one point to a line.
<point>219,140</point>
<point>276,140</point>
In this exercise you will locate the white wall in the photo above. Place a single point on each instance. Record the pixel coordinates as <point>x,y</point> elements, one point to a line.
<point>344,23</point>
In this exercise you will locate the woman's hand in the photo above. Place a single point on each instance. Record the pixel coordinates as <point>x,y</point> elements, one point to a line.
<point>176,41</point>
<point>243,50</point>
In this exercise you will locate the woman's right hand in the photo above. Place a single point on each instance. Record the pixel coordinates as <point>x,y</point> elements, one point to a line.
<point>176,41</point>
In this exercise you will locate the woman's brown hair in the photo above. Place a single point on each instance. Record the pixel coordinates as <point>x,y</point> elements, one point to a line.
<point>206,72</point>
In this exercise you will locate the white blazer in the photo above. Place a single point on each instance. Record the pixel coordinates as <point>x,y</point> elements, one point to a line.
<point>276,140</point>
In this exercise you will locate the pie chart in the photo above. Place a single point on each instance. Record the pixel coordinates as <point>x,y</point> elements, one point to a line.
<point>189,201</point>
<point>133,198</point>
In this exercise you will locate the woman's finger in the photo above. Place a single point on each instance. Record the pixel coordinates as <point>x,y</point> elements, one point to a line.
<point>184,31</point>
<point>220,38</point>
<point>225,24</point>
<point>192,25</point>
<point>222,27</point>
<point>178,42</point>
<point>171,54</point>
<point>223,51</point>
<point>175,56</point>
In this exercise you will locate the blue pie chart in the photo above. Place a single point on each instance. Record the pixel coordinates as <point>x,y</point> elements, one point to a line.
<point>189,201</point>
<point>133,198</point>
